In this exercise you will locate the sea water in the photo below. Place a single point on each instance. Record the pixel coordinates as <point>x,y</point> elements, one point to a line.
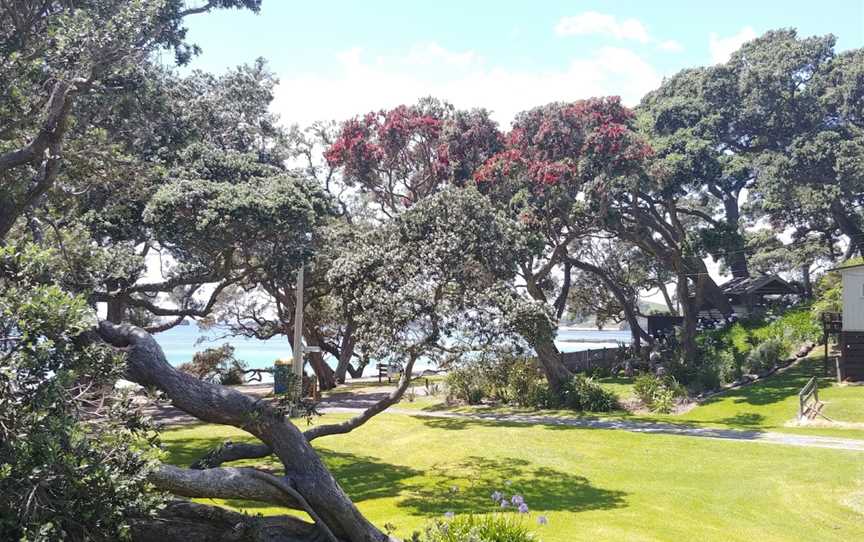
<point>180,343</point>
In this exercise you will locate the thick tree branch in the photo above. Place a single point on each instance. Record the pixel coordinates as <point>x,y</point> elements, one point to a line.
<point>183,521</point>
<point>222,483</point>
<point>355,422</point>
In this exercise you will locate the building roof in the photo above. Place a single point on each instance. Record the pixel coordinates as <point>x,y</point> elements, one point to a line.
<point>849,264</point>
<point>766,284</point>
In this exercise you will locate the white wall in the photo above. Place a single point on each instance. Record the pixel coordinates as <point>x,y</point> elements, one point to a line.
<point>853,299</point>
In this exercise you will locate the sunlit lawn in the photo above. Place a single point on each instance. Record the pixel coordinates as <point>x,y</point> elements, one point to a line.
<point>767,405</point>
<point>591,484</point>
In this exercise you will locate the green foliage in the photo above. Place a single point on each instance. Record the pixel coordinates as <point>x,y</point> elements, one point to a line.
<point>471,528</point>
<point>216,365</point>
<point>829,296</point>
<point>750,346</point>
<point>465,384</point>
<point>74,455</point>
<point>765,356</point>
<point>516,380</point>
<point>659,393</point>
<point>583,394</point>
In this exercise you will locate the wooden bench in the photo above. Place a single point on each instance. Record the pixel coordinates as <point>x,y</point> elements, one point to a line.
<point>387,370</point>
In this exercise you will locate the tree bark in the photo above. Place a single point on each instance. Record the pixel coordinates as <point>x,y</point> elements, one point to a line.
<point>667,299</point>
<point>547,353</point>
<point>736,259</point>
<point>849,226</point>
<point>183,521</point>
<point>690,313</point>
<point>627,305</point>
<point>806,282</point>
<point>304,471</point>
<point>550,362</point>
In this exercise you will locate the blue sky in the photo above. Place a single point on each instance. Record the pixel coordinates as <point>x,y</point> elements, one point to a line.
<point>338,58</point>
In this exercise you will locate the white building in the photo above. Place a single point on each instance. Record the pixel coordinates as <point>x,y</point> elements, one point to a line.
<point>853,297</point>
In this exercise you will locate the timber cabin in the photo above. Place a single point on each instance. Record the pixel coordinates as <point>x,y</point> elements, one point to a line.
<point>748,295</point>
<point>852,328</point>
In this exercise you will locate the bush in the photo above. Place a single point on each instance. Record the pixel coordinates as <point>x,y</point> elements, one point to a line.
<point>506,378</point>
<point>659,393</point>
<point>583,393</point>
<point>470,528</point>
<point>216,365</point>
<point>516,380</point>
<point>522,382</point>
<point>465,384</point>
<point>765,356</point>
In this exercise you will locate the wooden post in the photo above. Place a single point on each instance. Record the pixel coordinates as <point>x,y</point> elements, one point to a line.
<point>298,330</point>
<point>826,353</point>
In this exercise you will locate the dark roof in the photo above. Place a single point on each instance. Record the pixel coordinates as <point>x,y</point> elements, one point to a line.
<point>766,284</point>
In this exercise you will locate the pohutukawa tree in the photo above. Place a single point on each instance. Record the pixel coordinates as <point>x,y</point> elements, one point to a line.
<point>553,156</point>
<point>402,155</point>
<point>811,134</point>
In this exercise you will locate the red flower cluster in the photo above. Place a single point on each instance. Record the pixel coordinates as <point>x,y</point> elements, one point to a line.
<point>417,148</point>
<point>552,141</point>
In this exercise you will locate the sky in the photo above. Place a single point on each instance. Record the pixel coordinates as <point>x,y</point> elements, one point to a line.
<point>337,59</point>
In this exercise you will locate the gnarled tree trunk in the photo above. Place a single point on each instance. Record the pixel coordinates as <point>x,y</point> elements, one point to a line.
<point>306,483</point>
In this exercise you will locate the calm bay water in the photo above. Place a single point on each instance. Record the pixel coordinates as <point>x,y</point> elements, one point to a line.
<point>180,344</point>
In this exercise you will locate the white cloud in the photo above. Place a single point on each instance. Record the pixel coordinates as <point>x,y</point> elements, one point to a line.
<point>602,24</point>
<point>592,22</point>
<point>359,85</point>
<point>722,48</point>
<point>670,46</point>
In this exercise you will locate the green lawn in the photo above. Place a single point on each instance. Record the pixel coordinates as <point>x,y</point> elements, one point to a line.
<point>603,484</point>
<point>768,405</point>
<point>591,484</point>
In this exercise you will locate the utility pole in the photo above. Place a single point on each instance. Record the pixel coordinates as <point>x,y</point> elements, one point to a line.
<point>298,329</point>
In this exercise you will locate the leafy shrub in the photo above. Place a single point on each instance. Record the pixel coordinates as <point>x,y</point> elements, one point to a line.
<point>522,382</point>
<point>471,528</point>
<point>504,377</point>
<point>583,393</point>
<point>765,356</point>
<point>465,384</point>
<point>658,393</point>
<point>74,452</point>
<point>216,365</point>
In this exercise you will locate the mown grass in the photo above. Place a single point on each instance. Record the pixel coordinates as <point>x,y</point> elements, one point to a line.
<point>590,484</point>
<point>770,404</point>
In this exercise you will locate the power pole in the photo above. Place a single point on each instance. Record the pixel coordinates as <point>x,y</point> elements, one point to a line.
<point>297,347</point>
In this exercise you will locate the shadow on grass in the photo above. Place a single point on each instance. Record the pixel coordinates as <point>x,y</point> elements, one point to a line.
<point>362,477</point>
<point>466,487</point>
<point>777,387</point>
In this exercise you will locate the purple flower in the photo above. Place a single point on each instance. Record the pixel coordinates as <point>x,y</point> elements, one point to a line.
<point>517,500</point>
<point>542,520</point>
<point>523,508</point>
<point>449,515</point>
<point>497,496</point>
<point>504,504</point>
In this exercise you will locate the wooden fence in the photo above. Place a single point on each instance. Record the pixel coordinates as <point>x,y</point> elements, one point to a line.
<point>586,360</point>
<point>808,399</point>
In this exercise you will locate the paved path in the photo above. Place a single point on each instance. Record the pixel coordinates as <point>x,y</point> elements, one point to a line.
<point>356,402</point>
<point>636,427</point>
